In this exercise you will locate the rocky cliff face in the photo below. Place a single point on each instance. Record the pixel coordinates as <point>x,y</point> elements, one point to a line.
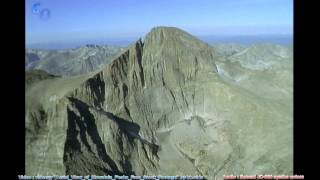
<point>167,106</point>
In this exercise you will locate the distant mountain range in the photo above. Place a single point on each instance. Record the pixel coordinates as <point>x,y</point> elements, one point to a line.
<point>247,40</point>
<point>89,58</point>
<point>229,49</point>
<point>68,62</point>
<point>170,104</point>
<point>263,56</point>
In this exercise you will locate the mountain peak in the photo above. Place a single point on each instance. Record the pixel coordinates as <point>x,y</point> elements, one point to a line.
<point>92,46</point>
<point>159,99</point>
<point>172,37</point>
<point>166,29</point>
<point>168,33</point>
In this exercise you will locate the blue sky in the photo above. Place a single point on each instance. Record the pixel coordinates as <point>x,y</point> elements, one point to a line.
<point>85,20</point>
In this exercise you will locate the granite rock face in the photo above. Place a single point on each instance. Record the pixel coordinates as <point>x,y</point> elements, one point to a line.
<point>168,105</point>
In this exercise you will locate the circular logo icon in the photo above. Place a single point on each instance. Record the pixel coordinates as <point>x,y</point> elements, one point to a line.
<point>45,14</point>
<point>36,8</point>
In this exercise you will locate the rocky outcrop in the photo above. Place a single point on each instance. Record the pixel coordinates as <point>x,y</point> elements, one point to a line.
<point>162,107</point>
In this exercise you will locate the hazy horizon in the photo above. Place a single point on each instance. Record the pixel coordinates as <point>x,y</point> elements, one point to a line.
<point>245,40</point>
